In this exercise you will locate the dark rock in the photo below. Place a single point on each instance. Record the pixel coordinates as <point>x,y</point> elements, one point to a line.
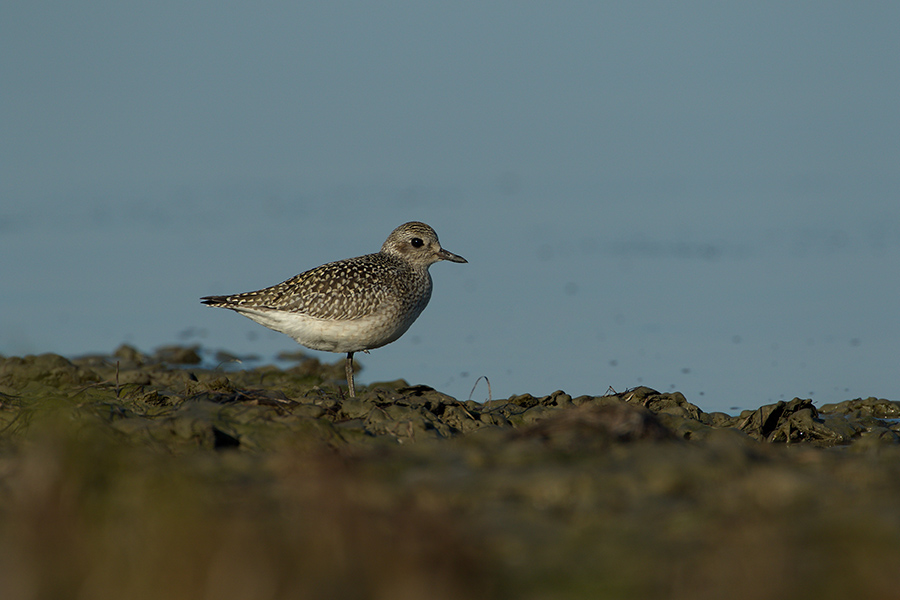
<point>794,421</point>
<point>178,355</point>
<point>591,426</point>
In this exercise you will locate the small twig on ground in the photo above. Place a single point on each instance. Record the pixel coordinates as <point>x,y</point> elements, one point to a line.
<point>476,385</point>
<point>225,362</point>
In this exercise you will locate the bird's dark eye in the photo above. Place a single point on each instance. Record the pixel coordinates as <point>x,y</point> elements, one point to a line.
<point>417,242</point>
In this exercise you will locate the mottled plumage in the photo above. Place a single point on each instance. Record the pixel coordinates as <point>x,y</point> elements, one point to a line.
<point>351,305</point>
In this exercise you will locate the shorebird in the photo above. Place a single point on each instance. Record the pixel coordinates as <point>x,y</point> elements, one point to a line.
<point>351,305</point>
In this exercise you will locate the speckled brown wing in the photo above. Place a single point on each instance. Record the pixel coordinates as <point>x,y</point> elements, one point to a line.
<point>342,290</point>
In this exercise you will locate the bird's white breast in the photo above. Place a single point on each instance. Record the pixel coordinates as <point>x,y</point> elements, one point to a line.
<point>351,335</point>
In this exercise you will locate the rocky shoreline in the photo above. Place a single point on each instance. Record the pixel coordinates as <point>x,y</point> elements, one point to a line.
<point>121,470</point>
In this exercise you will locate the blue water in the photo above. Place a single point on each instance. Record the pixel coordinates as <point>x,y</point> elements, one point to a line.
<point>693,197</point>
<point>732,317</point>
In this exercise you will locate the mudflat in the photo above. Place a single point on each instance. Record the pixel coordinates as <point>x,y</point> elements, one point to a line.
<point>154,476</point>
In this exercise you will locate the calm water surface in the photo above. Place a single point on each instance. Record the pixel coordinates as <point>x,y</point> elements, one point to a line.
<point>581,294</point>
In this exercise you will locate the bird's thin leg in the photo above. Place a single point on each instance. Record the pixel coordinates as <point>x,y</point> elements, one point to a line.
<point>350,374</point>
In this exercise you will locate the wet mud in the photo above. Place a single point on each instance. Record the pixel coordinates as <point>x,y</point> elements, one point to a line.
<point>156,476</point>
